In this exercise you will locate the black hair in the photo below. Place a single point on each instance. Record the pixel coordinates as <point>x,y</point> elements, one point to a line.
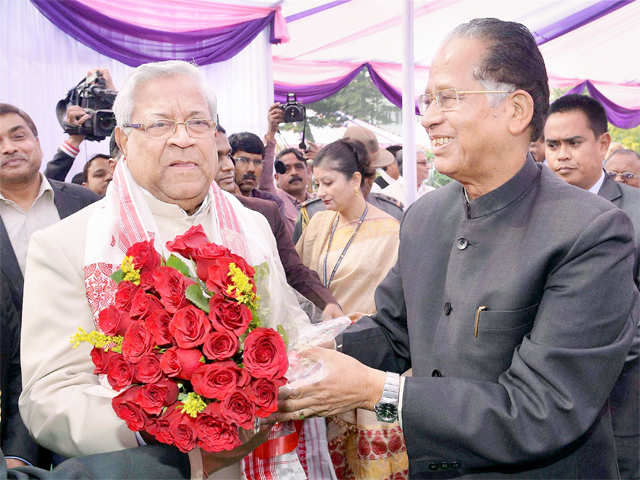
<point>298,154</point>
<point>6,109</point>
<point>394,148</point>
<point>85,169</point>
<point>347,157</point>
<point>513,58</point>
<point>246,142</point>
<point>77,179</point>
<point>592,109</point>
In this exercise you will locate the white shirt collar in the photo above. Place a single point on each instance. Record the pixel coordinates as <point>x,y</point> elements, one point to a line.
<point>596,186</point>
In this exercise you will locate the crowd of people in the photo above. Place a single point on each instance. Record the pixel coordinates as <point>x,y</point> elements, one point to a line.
<point>495,321</point>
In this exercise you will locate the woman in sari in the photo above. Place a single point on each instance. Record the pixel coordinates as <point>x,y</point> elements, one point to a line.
<point>352,245</point>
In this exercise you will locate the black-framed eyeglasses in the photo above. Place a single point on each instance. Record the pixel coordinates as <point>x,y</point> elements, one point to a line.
<point>449,98</point>
<point>196,127</point>
<point>246,161</point>
<point>624,175</point>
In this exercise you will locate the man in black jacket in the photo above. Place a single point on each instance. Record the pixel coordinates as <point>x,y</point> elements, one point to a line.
<point>28,202</point>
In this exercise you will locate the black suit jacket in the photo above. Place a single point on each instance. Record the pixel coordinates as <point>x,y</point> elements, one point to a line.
<point>68,199</point>
<point>303,279</point>
<point>516,318</point>
<point>58,167</point>
<point>15,440</point>
<point>151,461</point>
<point>625,398</point>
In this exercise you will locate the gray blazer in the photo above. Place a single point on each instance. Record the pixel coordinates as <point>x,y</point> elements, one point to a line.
<point>625,398</point>
<point>515,312</point>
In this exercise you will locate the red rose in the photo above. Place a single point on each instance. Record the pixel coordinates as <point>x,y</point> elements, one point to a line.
<point>187,243</point>
<point>171,389</point>
<point>112,321</point>
<point>119,372</point>
<point>170,284</point>
<point>220,345</point>
<point>216,380</point>
<point>206,256</point>
<point>238,409</point>
<point>148,370</point>
<point>143,305</point>
<point>189,326</point>
<point>125,294</point>
<point>101,359</point>
<point>146,280</point>
<point>228,315</point>
<point>163,422</point>
<point>145,256</point>
<point>264,393</point>
<point>126,407</point>
<point>158,324</point>
<point>183,431</point>
<point>218,278</point>
<point>152,398</point>
<point>180,363</point>
<point>214,434</point>
<point>265,355</point>
<point>137,342</point>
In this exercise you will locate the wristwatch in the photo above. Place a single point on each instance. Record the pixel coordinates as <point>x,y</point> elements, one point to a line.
<point>387,407</point>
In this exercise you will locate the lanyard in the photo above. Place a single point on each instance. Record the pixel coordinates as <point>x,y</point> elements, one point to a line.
<point>346,247</point>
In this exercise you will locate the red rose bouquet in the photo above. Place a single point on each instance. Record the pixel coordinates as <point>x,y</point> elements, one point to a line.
<point>185,346</point>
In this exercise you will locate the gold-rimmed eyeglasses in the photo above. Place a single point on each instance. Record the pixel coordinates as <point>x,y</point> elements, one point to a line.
<point>624,175</point>
<point>449,98</point>
<point>196,127</point>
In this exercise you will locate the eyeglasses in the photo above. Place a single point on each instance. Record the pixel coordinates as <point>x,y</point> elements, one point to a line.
<point>623,175</point>
<point>196,127</point>
<point>448,99</point>
<point>246,161</point>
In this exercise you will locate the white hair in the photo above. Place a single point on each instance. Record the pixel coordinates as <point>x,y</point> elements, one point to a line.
<point>125,101</point>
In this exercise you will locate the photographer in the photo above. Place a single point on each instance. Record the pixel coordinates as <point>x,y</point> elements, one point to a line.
<point>75,116</point>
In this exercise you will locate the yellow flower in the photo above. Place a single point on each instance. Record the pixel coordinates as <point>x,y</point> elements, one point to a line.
<point>130,273</point>
<point>98,340</point>
<point>193,404</point>
<point>241,287</point>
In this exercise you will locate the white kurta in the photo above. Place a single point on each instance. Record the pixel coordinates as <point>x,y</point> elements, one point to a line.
<point>63,404</point>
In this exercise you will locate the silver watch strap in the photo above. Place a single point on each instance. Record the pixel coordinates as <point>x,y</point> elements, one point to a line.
<point>391,390</point>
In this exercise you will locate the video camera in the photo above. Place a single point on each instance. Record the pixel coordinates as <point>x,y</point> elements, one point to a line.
<point>92,95</point>
<point>293,111</point>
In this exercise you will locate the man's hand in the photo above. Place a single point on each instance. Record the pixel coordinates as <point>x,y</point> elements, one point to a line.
<point>312,150</point>
<point>212,462</point>
<point>109,85</point>
<point>76,116</point>
<point>275,117</point>
<point>348,384</point>
<point>14,462</point>
<point>332,310</point>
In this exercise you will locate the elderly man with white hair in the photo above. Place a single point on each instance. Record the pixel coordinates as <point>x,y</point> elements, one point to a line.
<point>164,185</point>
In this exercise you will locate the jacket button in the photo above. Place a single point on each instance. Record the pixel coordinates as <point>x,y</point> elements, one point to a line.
<point>433,466</point>
<point>455,465</point>
<point>447,308</point>
<point>462,243</point>
<point>436,373</point>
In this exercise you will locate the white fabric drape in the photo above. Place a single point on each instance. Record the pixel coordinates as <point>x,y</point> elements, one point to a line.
<point>40,63</point>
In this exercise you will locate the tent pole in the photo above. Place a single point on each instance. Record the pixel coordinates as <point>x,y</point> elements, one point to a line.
<point>408,106</point>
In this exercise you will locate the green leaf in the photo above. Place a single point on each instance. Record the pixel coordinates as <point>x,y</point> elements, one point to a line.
<point>179,265</point>
<point>195,295</point>
<point>283,334</point>
<point>117,276</point>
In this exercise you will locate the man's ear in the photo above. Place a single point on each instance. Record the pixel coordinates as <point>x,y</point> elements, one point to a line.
<point>121,140</point>
<point>603,143</point>
<point>521,111</point>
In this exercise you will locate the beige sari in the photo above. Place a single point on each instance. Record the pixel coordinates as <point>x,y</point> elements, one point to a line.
<point>360,446</point>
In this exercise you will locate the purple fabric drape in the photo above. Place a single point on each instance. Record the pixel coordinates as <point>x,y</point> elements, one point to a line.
<point>134,45</point>
<point>313,93</point>
<point>311,11</point>
<point>619,116</point>
<point>578,19</point>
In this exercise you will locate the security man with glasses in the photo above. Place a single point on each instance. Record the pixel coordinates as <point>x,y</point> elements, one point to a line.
<point>624,166</point>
